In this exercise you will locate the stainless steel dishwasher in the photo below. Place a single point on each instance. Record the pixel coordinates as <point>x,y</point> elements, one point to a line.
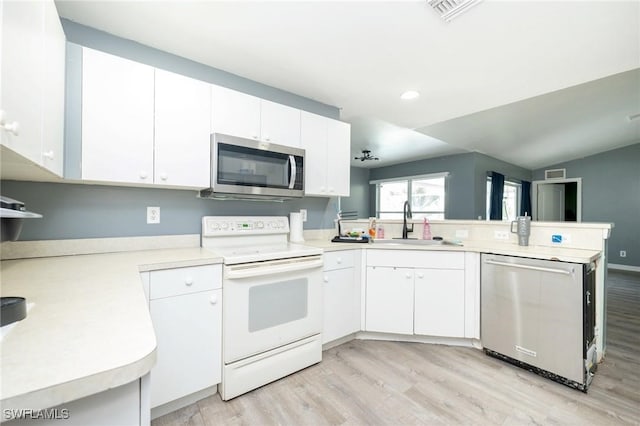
<point>540,315</point>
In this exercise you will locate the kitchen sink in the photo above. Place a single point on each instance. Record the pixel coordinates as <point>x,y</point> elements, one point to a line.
<point>400,241</point>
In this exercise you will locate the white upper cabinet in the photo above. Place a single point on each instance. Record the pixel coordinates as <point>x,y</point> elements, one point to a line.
<point>182,131</point>
<point>279,124</point>
<point>235,113</point>
<point>32,82</point>
<point>143,125</point>
<point>117,119</point>
<point>327,146</point>
<point>238,114</point>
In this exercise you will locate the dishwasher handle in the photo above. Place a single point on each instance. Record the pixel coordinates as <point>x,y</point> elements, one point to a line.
<point>533,268</point>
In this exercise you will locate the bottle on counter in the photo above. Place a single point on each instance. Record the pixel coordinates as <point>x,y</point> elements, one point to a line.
<point>380,232</point>
<point>372,228</point>
<point>426,229</point>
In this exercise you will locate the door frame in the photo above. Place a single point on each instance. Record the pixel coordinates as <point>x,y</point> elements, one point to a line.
<point>534,195</point>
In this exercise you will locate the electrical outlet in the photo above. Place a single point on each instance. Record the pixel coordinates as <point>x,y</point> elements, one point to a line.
<point>153,214</point>
<point>501,235</point>
<point>303,214</point>
<point>623,253</point>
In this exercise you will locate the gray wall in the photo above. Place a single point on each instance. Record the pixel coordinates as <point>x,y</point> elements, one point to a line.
<point>466,184</point>
<point>96,211</point>
<point>610,193</point>
<point>359,194</point>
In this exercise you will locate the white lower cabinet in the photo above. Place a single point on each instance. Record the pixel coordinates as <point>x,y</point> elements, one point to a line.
<point>418,292</point>
<point>389,300</point>
<point>118,406</point>
<point>439,302</point>
<point>341,295</point>
<point>186,310</point>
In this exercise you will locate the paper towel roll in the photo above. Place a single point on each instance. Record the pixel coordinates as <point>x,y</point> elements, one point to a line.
<point>295,228</point>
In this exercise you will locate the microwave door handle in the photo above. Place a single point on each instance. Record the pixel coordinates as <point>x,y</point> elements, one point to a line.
<point>292,171</point>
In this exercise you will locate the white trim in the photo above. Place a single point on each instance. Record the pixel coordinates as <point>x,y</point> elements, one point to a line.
<point>395,179</point>
<point>619,267</point>
<point>534,195</point>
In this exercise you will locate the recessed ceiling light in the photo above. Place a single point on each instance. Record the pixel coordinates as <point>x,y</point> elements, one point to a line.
<point>409,94</point>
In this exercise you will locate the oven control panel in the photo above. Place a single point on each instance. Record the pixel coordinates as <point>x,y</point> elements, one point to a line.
<point>244,225</point>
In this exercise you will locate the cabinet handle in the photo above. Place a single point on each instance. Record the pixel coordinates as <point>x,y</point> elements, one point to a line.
<point>143,175</point>
<point>339,260</point>
<point>420,275</point>
<point>254,136</point>
<point>267,138</point>
<point>408,275</point>
<point>12,127</point>
<point>213,299</point>
<point>164,176</point>
<point>48,155</point>
<point>188,281</point>
<point>326,279</point>
<point>330,189</point>
<point>322,189</point>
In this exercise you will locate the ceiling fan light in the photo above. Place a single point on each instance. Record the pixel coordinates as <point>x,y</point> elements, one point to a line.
<point>409,94</point>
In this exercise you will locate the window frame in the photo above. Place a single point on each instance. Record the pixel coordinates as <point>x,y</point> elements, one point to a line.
<point>507,182</point>
<point>409,180</point>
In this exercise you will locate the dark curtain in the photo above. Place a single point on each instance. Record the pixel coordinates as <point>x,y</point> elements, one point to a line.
<point>525,203</point>
<point>497,192</point>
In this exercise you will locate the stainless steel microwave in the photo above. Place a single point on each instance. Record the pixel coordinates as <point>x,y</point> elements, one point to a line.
<point>246,168</point>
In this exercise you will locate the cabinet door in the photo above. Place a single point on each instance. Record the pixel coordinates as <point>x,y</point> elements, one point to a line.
<point>389,300</point>
<point>280,124</point>
<point>22,76</point>
<point>234,113</point>
<point>439,302</point>
<point>339,158</point>
<point>117,119</point>
<point>313,136</point>
<point>53,91</point>
<point>182,130</point>
<point>189,334</point>
<point>341,316</point>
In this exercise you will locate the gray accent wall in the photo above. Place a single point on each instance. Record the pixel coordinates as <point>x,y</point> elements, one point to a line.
<point>610,193</point>
<point>96,211</point>
<point>358,199</point>
<point>465,186</point>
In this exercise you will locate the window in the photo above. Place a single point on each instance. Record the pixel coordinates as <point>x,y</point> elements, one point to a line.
<point>426,195</point>
<point>510,199</point>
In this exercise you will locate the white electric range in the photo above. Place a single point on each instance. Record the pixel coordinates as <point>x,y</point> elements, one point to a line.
<point>272,300</point>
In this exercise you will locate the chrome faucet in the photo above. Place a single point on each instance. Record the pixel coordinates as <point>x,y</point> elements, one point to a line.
<point>406,214</point>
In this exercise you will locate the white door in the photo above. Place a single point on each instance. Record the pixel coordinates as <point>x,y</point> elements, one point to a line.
<point>269,307</point>
<point>117,119</point>
<point>313,131</point>
<point>234,113</point>
<point>339,158</point>
<point>22,76</point>
<point>389,300</point>
<point>182,131</point>
<point>439,302</point>
<point>551,202</point>
<point>341,316</point>
<point>280,124</point>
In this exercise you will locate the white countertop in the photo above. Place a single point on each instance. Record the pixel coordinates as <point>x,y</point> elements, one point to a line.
<point>89,329</point>
<point>536,252</point>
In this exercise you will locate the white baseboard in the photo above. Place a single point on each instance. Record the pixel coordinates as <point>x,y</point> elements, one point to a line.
<point>624,267</point>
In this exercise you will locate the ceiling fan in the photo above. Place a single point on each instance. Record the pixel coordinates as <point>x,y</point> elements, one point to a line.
<point>366,155</point>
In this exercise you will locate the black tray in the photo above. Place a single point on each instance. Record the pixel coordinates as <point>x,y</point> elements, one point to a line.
<point>358,240</point>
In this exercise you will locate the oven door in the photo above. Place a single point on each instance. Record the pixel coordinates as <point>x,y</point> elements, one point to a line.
<point>249,167</point>
<point>270,304</point>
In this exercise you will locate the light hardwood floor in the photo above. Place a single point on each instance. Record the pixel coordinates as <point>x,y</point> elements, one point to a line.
<point>391,383</point>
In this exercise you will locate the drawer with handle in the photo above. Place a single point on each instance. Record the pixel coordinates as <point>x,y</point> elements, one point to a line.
<point>174,282</point>
<point>339,260</point>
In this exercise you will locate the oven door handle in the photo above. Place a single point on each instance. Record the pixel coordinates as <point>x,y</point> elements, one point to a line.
<point>241,271</point>
<point>292,171</point>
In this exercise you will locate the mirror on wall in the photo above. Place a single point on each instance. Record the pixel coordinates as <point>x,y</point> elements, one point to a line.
<point>557,200</point>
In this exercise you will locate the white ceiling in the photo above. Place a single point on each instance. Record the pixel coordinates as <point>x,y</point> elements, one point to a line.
<point>361,55</point>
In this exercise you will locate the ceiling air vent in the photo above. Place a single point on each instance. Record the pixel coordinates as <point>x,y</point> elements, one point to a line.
<point>449,9</point>
<point>555,174</point>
